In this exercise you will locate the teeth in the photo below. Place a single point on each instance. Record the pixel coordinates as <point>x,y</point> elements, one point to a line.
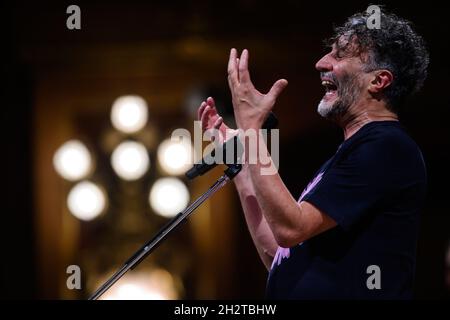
<point>327,83</point>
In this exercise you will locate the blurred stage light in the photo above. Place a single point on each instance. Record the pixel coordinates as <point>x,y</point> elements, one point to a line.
<point>129,113</point>
<point>175,157</point>
<point>130,160</point>
<point>72,160</point>
<point>168,197</point>
<point>155,285</point>
<point>86,201</point>
<point>137,292</point>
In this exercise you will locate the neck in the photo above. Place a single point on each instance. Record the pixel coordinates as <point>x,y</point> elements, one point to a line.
<point>356,120</point>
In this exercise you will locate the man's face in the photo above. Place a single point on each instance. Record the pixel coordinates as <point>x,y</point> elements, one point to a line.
<point>341,72</point>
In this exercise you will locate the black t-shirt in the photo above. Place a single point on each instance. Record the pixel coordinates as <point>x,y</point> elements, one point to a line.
<point>373,187</point>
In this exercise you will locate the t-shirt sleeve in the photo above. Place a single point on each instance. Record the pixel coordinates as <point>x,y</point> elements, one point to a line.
<point>358,182</point>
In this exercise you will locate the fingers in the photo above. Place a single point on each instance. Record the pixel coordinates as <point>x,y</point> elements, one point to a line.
<point>238,69</point>
<point>218,123</point>
<point>216,126</point>
<point>200,110</point>
<point>210,101</point>
<point>232,68</point>
<point>204,117</point>
<point>207,113</point>
<point>277,88</point>
<point>244,75</point>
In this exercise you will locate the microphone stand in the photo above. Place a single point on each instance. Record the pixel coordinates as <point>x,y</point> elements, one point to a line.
<point>148,247</point>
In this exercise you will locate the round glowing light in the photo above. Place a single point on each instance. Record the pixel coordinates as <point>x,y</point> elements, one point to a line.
<point>129,113</point>
<point>157,284</point>
<point>168,197</point>
<point>130,160</point>
<point>86,201</point>
<point>175,157</point>
<point>72,160</point>
<point>136,292</point>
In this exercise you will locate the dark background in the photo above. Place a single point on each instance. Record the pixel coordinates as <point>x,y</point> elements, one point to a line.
<point>35,41</point>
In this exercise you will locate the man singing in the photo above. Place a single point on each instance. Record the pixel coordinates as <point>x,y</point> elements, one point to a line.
<point>352,233</point>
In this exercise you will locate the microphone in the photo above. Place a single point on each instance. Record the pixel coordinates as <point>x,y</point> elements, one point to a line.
<point>208,162</point>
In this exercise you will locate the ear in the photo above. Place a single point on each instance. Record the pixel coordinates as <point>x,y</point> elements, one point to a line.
<point>381,80</point>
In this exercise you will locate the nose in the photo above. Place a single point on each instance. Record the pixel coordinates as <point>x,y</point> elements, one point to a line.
<point>324,64</point>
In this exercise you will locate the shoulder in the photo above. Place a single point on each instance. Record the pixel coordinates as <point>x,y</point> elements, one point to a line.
<point>385,139</point>
<point>387,147</point>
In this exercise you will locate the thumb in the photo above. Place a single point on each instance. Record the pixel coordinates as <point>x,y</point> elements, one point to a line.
<point>277,88</point>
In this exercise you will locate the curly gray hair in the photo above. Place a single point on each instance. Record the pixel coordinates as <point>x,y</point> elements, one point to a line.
<point>394,46</point>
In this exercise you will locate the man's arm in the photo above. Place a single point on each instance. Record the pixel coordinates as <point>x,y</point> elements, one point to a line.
<point>260,231</point>
<point>290,222</point>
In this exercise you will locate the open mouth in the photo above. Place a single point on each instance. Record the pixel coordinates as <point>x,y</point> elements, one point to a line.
<point>330,87</point>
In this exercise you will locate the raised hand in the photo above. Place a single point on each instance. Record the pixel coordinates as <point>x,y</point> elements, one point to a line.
<point>250,106</point>
<point>208,115</point>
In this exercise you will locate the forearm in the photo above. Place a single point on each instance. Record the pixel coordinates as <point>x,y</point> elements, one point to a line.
<point>290,222</point>
<point>282,212</point>
<point>260,231</point>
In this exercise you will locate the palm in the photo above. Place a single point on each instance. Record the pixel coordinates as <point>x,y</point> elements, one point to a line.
<point>210,118</point>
